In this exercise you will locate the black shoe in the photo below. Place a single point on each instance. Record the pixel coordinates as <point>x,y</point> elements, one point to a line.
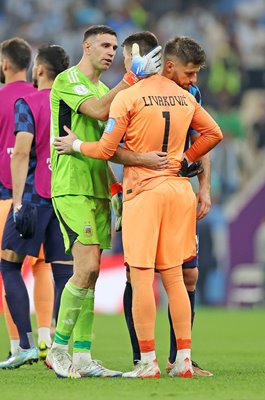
<point>200,371</point>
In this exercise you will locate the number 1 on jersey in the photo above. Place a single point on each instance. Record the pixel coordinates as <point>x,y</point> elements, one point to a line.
<point>166,115</point>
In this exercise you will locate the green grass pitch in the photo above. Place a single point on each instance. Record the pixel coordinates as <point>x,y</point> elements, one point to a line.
<point>230,343</point>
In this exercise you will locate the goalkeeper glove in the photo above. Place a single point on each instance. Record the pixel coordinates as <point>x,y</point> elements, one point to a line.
<point>143,67</point>
<point>191,170</point>
<point>116,202</point>
<point>25,219</point>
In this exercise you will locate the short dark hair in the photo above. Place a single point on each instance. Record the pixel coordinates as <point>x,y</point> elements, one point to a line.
<point>18,51</point>
<point>146,41</point>
<point>98,30</point>
<point>185,49</point>
<point>54,58</point>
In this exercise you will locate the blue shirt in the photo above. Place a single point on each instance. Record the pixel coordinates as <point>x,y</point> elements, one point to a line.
<point>194,90</point>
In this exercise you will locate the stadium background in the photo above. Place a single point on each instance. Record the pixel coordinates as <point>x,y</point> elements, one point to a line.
<point>233,87</point>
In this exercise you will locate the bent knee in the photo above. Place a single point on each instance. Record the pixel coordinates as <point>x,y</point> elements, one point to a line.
<point>11,256</point>
<point>86,277</point>
<point>190,277</point>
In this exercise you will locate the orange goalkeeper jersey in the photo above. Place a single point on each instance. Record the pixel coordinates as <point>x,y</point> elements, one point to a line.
<point>154,114</point>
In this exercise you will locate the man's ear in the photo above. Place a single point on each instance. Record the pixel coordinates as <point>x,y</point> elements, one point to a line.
<point>169,68</point>
<point>86,47</point>
<point>5,63</point>
<point>40,70</point>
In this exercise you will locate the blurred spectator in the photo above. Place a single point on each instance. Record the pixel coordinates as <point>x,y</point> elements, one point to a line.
<point>258,131</point>
<point>225,73</point>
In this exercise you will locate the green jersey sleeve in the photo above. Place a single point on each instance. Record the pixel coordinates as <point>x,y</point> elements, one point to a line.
<point>71,87</point>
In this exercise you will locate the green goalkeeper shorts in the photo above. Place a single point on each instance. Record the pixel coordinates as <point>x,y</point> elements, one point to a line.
<point>84,219</point>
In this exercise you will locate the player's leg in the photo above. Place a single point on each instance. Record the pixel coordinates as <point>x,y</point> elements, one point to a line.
<point>77,302</point>
<point>177,242</point>
<point>61,263</point>
<point>180,311</point>
<point>144,315</point>
<point>11,327</point>
<point>18,304</point>
<point>141,252</point>
<point>5,206</point>
<point>14,249</point>
<point>190,276</point>
<point>127,307</point>
<point>83,331</point>
<point>43,301</point>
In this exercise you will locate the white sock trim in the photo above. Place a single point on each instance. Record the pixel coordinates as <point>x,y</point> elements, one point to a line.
<point>44,333</point>
<point>184,353</point>
<point>149,356</point>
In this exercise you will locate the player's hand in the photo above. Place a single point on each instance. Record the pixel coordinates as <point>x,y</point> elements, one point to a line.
<point>16,209</point>
<point>190,170</point>
<point>116,202</point>
<point>64,144</point>
<point>154,160</point>
<point>203,203</point>
<point>147,65</point>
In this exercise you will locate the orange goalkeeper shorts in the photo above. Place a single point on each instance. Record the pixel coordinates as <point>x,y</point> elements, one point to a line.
<point>159,225</point>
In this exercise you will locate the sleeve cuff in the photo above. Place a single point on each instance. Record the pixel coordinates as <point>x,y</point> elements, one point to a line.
<point>77,145</point>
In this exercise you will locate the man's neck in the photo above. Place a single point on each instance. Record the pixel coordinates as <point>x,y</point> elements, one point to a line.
<point>45,84</point>
<point>15,77</point>
<point>88,70</point>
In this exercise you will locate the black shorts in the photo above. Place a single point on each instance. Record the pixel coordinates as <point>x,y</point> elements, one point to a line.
<point>48,232</point>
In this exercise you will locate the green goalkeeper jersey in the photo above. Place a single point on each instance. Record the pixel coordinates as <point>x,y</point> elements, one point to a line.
<point>75,174</point>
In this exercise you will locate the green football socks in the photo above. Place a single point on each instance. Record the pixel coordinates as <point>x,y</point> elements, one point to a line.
<point>84,325</point>
<point>72,300</point>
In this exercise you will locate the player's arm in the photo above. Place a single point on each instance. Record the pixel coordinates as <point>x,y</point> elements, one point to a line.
<point>109,141</point>
<point>153,159</point>
<point>204,178</point>
<point>210,134</point>
<point>20,156</point>
<point>102,150</point>
<point>20,165</point>
<point>141,68</point>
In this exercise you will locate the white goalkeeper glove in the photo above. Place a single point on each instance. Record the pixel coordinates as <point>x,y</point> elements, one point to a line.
<point>143,67</point>
<point>116,202</point>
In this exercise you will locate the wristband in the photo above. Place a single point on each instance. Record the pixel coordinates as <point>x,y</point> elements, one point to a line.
<point>130,78</point>
<point>115,188</point>
<point>77,145</point>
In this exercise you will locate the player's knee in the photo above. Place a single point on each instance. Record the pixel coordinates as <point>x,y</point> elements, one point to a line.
<point>190,277</point>
<point>86,277</point>
<point>11,256</point>
<point>93,275</point>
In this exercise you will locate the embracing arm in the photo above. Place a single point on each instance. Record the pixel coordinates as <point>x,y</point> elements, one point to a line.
<point>152,159</point>
<point>99,108</point>
<point>141,68</point>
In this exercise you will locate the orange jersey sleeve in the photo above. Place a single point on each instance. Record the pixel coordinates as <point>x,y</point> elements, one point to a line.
<point>113,133</point>
<point>210,133</point>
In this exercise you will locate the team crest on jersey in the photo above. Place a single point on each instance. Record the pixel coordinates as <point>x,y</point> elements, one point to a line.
<point>110,125</point>
<point>88,230</point>
<point>81,89</point>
